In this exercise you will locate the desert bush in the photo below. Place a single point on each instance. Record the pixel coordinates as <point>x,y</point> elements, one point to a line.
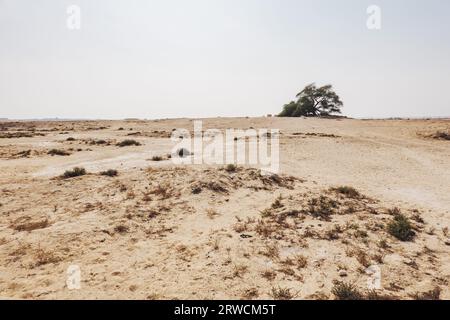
<point>157,158</point>
<point>269,275</point>
<point>43,257</point>
<point>347,191</point>
<point>70,139</point>
<point>58,152</point>
<point>75,172</point>
<point>281,293</point>
<point>251,293</point>
<point>30,226</point>
<point>302,261</point>
<point>346,291</point>
<point>128,142</point>
<point>230,168</point>
<point>110,173</point>
<point>442,135</point>
<point>322,207</point>
<point>98,142</point>
<point>211,213</point>
<point>400,228</point>
<point>434,294</point>
<point>121,229</point>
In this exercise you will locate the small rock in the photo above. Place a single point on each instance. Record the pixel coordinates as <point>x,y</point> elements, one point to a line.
<point>447,242</point>
<point>342,273</point>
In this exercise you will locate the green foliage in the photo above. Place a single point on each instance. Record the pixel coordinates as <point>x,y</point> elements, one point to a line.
<point>401,228</point>
<point>313,102</point>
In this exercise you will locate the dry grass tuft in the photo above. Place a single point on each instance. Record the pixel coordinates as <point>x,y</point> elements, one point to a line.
<point>434,294</point>
<point>128,142</point>
<point>75,172</point>
<point>58,152</point>
<point>43,257</point>
<point>109,173</point>
<point>29,225</point>
<point>211,213</point>
<point>251,293</point>
<point>346,291</point>
<point>269,275</point>
<point>281,293</point>
<point>347,191</point>
<point>400,227</point>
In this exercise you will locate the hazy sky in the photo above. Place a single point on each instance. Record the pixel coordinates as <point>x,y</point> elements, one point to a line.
<point>202,58</point>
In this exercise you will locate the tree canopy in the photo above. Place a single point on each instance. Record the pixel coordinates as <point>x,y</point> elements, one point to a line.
<point>313,102</point>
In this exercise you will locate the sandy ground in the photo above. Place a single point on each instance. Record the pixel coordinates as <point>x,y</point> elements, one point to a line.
<point>165,231</point>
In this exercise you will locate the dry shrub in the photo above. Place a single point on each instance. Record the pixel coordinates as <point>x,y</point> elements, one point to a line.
<point>43,257</point>
<point>128,142</point>
<point>109,173</point>
<point>400,228</point>
<point>434,294</point>
<point>30,225</point>
<point>211,213</point>
<point>58,152</point>
<point>346,291</point>
<point>250,293</point>
<point>75,172</point>
<point>347,191</point>
<point>269,275</point>
<point>281,293</point>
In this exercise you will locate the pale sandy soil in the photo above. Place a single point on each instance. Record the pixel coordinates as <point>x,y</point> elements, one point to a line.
<point>161,231</point>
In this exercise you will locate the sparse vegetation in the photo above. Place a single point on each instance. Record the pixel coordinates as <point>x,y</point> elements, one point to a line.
<point>30,225</point>
<point>347,191</point>
<point>346,291</point>
<point>230,168</point>
<point>433,294</point>
<point>269,275</point>
<point>58,152</point>
<point>75,172</point>
<point>211,213</point>
<point>280,293</point>
<point>43,257</point>
<point>322,207</point>
<point>239,270</point>
<point>400,227</point>
<point>109,173</point>
<point>128,142</point>
<point>121,229</point>
<point>302,261</point>
<point>157,158</point>
<point>250,293</point>
<point>441,135</point>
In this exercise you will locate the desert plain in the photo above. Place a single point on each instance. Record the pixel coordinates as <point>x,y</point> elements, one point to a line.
<point>322,228</point>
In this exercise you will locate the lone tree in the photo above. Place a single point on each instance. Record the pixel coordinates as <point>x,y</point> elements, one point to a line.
<point>313,102</point>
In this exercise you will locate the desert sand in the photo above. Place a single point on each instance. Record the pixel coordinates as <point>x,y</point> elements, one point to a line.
<point>164,231</point>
